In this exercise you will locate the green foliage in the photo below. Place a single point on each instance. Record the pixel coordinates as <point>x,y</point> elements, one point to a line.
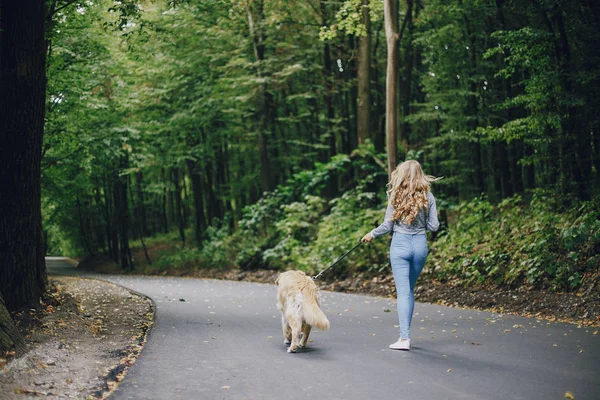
<point>348,19</point>
<point>292,227</point>
<point>352,216</point>
<point>514,243</point>
<point>297,229</point>
<point>183,258</point>
<point>498,97</point>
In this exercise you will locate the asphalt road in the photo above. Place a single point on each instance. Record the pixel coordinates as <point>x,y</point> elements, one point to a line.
<point>222,340</point>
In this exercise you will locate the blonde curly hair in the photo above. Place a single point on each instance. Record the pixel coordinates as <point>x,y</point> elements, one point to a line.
<point>407,191</point>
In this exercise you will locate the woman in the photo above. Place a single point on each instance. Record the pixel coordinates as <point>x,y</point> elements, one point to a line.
<point>410,212</point>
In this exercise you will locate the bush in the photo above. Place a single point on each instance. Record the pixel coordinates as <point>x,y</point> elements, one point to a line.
<point>515,243</point>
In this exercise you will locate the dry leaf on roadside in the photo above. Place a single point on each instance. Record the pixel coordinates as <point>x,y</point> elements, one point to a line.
<point>29,391</point>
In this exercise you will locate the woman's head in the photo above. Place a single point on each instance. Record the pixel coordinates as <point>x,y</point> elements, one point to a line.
<point>407,190</point>
<point>410,175</point>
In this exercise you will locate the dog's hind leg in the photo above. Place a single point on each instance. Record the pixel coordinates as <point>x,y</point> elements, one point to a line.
<point>305,332</point>
<point>287,331</point>
<point>296,326</point>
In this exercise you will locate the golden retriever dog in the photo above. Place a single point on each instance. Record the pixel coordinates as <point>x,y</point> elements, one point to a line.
<point>297,299</point>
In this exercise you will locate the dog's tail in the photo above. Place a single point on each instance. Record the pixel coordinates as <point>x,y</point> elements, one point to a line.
<point>312,312</point>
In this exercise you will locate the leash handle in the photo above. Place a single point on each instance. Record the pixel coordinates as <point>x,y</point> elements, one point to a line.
<point>314,278</point>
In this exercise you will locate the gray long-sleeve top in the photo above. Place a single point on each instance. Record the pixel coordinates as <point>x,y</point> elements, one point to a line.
<point>424,220</point>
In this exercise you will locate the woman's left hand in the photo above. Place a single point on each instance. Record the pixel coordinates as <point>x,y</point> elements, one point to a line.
<point>367,238</point>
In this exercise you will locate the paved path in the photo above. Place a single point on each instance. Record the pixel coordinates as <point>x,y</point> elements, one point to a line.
<point>224,342</point>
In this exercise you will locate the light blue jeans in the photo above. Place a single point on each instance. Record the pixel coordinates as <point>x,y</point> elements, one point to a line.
<point>407,256</point>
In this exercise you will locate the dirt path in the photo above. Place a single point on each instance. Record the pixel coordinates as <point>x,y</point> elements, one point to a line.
<point>80,344</point>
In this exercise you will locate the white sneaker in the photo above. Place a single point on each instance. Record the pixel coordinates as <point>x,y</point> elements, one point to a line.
<point>401,344</point>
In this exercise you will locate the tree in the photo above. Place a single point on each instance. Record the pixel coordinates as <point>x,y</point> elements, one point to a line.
<point>363,123</point>
<point>23,86</point>
<point>391,99</point>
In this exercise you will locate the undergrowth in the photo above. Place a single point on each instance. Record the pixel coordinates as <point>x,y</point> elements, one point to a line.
<point>515,242</point>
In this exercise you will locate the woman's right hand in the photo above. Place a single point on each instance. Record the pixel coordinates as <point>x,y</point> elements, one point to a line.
<point>367,238</point>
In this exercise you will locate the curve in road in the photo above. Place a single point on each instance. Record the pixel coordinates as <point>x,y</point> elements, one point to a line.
<point>222,340</point>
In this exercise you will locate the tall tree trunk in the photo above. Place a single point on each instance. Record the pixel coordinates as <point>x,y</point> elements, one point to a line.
<point>391,115</point>
<point>125,253</point>
<point>221,169</point>
<point>213,203</point>
<point>200,222</point>
<point>141,206</point>
<point>178,210</point>
<point>405,96</point>
<point>472,112</point>
<point>137,222</point>
<point>83,230</point>
<point>114,232</point>
<point>22,104</point>
<point>503,173</point>
<point>378,123</point>
<point>578,140</point>
<point>99,205</point>
<point>363,123</point>
<point>328,81</point>
<point>108,218</point>
<point>163,205</point>
<point>516,174</point>
<point>258,38</point>
<point>596,153</point>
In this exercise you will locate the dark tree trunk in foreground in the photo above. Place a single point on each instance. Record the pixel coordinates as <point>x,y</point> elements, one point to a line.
<point>22,107</point>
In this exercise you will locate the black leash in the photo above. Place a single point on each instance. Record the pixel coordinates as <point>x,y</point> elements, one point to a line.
<point>336,261</point>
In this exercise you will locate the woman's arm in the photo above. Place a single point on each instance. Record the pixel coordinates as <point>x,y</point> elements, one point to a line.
<point>387,225</point>
<point>432,218</point>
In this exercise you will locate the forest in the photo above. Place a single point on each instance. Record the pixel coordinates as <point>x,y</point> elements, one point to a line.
<point>260,133</point>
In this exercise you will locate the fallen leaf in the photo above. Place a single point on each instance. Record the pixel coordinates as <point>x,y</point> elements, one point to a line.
<point>181,299</point>
<point>569,396</point>
<point>225,387</point>
<point>554,345</point>
<point>449,370</point>
<point>476,343</point>
<point>29,391</point>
